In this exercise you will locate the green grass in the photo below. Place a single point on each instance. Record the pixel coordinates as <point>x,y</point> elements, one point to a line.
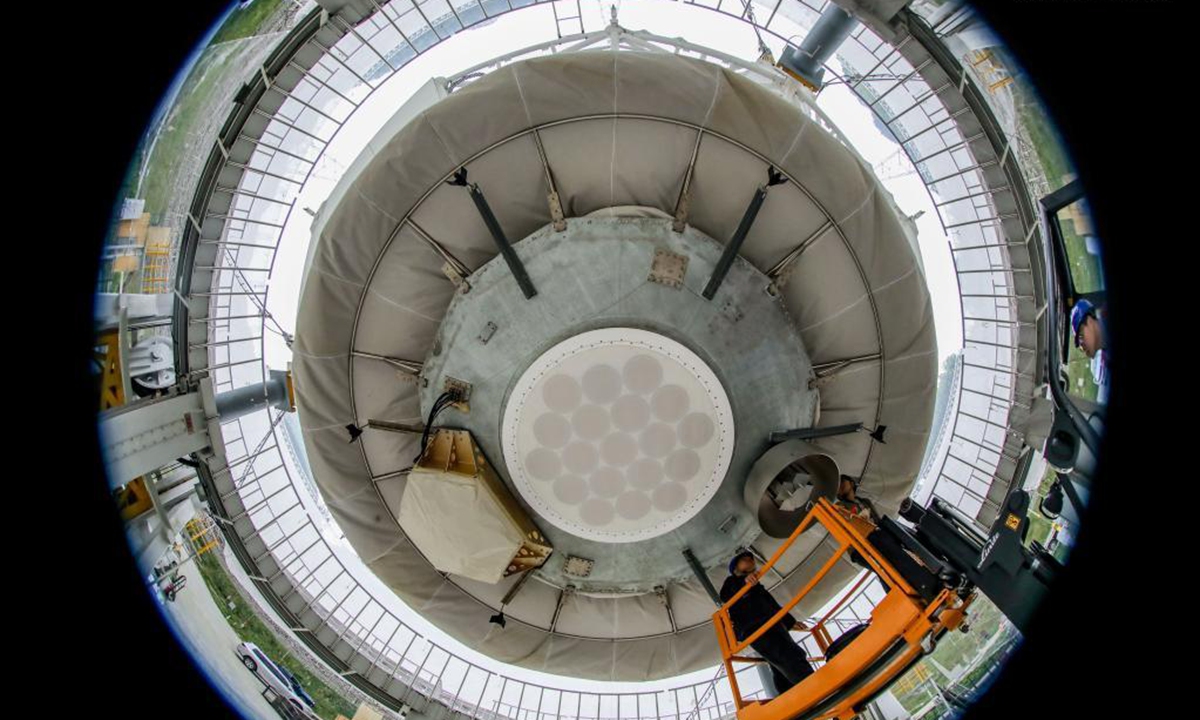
<point>1085,267</point>
<point>915,700</point>
<point>1051,154</point>
<point>245,22</point>
<point>1079,367</point>
<point>1040,527</point>
<point>247,625</point>
<point>183,121</point>
<point>957,648</point>
<point>192,111</point>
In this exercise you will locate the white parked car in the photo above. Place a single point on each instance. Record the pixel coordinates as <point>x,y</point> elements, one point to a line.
<point>278,679</point>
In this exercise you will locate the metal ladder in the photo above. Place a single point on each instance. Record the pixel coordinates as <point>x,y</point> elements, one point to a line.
<point>559,20</point>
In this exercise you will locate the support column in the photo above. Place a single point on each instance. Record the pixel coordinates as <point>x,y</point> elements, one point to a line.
<point>806,63</point>
<point>702,576</point>
<point>108,307</point>
<point>276,392</point>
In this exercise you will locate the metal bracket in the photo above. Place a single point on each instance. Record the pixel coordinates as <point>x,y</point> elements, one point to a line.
<point>456,278</point>
<point>562,597</point>
<point>826,373</point>
<point>668,268</point>
<point>731,312</point>
<point>556,212</point>
<point>453,268</point>
<point>578,567</point>
<point>516,588</point>
<point>552,198</point>
<point>488,331</point>
<point>681,211</point>
<point>685,191</point>
<point>463,388</point>
<point>406,370</point>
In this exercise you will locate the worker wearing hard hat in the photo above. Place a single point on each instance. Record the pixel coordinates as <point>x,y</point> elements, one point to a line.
<point>848,497</point>
<point>1092,338</point>
<point>921,578</point>
<point>788,661</point>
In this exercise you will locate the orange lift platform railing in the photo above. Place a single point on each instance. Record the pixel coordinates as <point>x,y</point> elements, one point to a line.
<point>902,628</point>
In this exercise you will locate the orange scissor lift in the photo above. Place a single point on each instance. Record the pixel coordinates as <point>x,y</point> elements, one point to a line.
<point>902,628</point>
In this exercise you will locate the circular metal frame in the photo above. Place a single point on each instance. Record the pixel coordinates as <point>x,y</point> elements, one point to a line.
<point>242,205</point>
<point>824,478</point>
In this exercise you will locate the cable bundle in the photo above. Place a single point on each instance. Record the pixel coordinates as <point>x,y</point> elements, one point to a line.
<point>443,401</point>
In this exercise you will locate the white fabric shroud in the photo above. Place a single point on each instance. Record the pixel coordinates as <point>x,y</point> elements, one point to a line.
<point>618,129</point>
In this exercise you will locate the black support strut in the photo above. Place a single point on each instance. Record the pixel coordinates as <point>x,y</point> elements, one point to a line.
<point>823,432</point>
<point>702,576</point>
<point>489,219</point>
<point>774,177</point>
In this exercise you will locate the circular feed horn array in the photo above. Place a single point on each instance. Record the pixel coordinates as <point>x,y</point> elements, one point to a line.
<point>618,434</point>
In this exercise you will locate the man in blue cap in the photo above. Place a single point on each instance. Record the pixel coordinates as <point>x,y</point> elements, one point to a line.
<point>789,663</point>
<point>1092,339</point>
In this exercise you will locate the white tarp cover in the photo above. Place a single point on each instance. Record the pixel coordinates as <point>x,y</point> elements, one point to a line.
<point>458,524</point>
<point>618,129</point>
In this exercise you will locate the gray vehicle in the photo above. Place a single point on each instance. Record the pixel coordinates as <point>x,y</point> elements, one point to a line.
<point>298,688</point>
<point>278,679</point>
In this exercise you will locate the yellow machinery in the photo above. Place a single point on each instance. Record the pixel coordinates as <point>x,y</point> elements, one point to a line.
<point>995,74</point>
<point>156,267</point>
<point>108,355</point>
<point>202,534</point>
<point>903,627</point>
<point>133,498</point>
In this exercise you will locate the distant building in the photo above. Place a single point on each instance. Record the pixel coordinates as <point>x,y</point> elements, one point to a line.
<point>132,208</point>
<point>948,383</point>
<point>912,679</point>
<point>882,127</point>
<point>889,707</point>
<point>138,258</point>
<point>293,438</point>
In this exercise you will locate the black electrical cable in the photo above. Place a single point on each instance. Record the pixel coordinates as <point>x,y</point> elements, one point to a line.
<point>443,401</point>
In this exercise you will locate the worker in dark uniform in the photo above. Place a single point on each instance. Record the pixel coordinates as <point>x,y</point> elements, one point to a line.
<point>789,662</point>
<point>923,581</point>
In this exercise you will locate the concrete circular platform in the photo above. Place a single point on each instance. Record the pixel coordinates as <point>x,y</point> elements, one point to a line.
<point>572,389</point>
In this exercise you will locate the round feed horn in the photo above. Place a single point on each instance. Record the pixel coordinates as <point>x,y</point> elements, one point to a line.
<point>785,459</point>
